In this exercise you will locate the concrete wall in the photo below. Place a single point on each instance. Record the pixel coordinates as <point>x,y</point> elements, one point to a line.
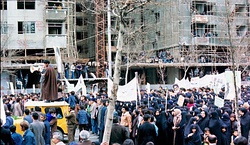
<point>28,40</point>
<point>172,74</point>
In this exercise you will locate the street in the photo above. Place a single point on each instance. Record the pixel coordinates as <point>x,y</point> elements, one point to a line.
<point>93,137</point>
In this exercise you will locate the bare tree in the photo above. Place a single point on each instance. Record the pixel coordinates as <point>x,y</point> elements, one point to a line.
<point>120,9</point>
<point>238,48</point>
<point>161,71</point>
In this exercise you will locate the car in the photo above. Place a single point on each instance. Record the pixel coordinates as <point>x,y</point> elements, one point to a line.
<point>61,108</point>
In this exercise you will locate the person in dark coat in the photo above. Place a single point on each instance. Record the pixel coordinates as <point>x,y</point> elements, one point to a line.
<point>162,124</point>
<point>215,126</point>
<point>5,135</point>
<point>234,125</point>
<point>135,126</point>
<point>49,84</point>
<point>194,136</point>
<point>224,140</point>
<point>226,121</point>
<point>27,116</point>
<point>102,121</point>
<point>204,120</point>
<point>82,118</point>
<point>188,129</point>
<point>9,121</point>
<point>28,136</point>
<point>17,138</point>
<point>118,132</point>
<point>146,131</point>
<point>47,129</point>
<point>244,122</point>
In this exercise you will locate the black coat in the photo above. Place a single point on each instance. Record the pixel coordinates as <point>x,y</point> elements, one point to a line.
<point>163,124</point>
<point>245,125</point>
<point>146,133</point>
<point>224,140</point>
<point>226,120</point>
<point>215,125</point>
<point>203,122</point>
<point>118,134</point>
<point>5,136</point>
<point>195,139</point>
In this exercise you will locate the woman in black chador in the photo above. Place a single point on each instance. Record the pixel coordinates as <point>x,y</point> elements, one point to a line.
<point>203,122</point>
<point>163,121</point>
<point>215,126</point>
<point>194,136</point>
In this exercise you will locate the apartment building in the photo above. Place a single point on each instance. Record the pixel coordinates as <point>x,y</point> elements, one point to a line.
<point>190,35</point>
<point>31,29</point>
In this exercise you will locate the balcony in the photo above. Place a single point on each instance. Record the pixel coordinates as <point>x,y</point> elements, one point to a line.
<point>200,19</point>
<point>201,40</point>
<point>220,41</point>
<point>58,40</point>
<point>56,14</point>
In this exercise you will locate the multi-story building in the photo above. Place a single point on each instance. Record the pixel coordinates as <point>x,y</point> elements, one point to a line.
<point>192,35</point>
<point>31,29</point>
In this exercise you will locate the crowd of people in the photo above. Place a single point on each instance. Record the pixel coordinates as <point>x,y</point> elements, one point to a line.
<point>153,120</point>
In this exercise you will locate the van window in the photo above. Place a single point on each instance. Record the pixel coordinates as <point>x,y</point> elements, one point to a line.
<point>59,113</point>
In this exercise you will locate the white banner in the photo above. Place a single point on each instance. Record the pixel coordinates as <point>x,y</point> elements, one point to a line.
<point>229,84</point>
<point>80,85</point>
<point>218,102</point>
<point>148,88</point>
<point>12,88</point>
<point>183,83</point>
<point>58,59</point>
<point>127,92</point>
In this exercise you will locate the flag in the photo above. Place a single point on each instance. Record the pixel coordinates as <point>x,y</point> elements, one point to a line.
<point>81,85</point>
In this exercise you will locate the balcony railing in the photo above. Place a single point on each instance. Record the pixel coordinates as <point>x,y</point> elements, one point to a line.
<point>56,14</point>
<point>200,19</point>
<point>201,40</point>
<point>56,40</point>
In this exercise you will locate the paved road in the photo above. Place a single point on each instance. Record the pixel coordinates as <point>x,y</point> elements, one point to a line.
<point>93,137</point>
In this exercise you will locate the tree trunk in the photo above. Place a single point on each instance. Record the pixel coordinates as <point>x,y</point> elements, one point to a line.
<point>113,97</point>
<point>185,72</point>
<point>232,48</point>
<point>127,68</point>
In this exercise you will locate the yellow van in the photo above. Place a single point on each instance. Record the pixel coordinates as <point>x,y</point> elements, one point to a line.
<point>60,107</point>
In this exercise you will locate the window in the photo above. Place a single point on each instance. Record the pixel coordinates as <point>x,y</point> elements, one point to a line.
<point>78,7</point>
<point>79,35</point>
<point>26,4</point>
<point>157,17</point>
<point>26,27</point>
<point>58,111</point>
<point>55,28</point>
<point>85,22</point>
<point>241,30</point>
<point>79,21</point>
<point>85,34</point>
<point>4,28</point>
<point>3,5</point>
